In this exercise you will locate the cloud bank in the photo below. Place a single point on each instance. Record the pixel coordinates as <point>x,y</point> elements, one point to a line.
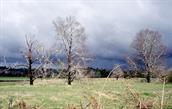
<point>110,25</point>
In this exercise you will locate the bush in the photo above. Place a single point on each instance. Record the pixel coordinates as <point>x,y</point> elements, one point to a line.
<point>170,77</point>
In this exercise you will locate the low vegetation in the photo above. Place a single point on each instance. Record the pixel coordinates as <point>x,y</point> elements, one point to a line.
<point>85,94</point>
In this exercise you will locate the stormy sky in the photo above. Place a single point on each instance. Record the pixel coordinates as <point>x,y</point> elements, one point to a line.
<point>110,25</point>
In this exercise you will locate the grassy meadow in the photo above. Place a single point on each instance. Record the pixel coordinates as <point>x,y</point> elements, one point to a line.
<point>107,93</point>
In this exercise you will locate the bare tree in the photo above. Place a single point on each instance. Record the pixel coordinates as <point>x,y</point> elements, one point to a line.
<point>117,72</point>
<point>150,50</point>
<point>28,54</point>
<point>72,37</point>
<point>34,54</point>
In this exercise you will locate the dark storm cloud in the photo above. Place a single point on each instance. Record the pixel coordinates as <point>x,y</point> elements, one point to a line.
<point>110,24</point>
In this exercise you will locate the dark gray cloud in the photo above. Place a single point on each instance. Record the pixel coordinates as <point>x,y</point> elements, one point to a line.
<point>110,24</point>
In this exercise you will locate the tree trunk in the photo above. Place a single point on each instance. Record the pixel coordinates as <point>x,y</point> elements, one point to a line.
<point>31,80</point>
<point>117,77</point>
<point>69,78</point>
<point>69,63</point>
<point>148,77</point>
<point>30,71</point>
<point>69,72</point>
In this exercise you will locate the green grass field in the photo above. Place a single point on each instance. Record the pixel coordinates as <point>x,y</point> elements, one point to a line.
<point>56,94</point>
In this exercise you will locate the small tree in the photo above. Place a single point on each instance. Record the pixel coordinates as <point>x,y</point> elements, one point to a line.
<point>117,72</point>
<point>72,38</point>
<point>34,54</point>
<point>150,50</point>
<point>28,54</point>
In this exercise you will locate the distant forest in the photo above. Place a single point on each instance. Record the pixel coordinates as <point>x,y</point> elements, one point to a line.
<point>91,72</point>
